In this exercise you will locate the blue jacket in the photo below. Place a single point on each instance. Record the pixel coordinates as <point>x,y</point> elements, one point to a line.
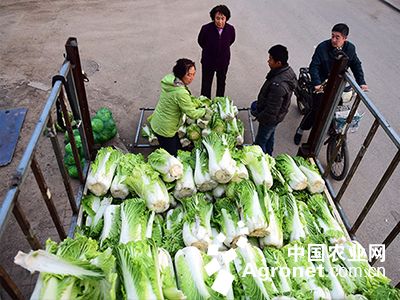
<point>216,52</point>
<point>323,58</point>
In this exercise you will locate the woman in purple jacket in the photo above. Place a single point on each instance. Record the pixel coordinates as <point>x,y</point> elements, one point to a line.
<point>215,38</point>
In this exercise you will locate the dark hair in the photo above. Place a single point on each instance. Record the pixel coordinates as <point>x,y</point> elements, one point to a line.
<point>182,67</point>
<point>222,9</point>
<point>342,28</point>
<point>279,53</point>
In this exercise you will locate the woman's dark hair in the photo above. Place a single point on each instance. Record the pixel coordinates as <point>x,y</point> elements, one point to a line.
<point>182,67</point>
<point>222,9</point>
<point>342,28</point>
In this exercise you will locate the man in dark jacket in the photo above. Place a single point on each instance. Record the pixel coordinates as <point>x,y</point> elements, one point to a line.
<point>215,39</point>
<point>274,98</point>
<point>320,67</point>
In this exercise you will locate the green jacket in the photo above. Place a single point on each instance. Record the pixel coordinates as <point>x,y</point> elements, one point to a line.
<point>175,100</point>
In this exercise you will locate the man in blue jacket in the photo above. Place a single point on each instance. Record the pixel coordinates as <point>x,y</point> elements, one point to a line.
<point>320,67</point>
<point>215,39</point>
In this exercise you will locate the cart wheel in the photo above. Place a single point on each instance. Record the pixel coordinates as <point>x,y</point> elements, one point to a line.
<point>300,106</point>
<point>340,164</point>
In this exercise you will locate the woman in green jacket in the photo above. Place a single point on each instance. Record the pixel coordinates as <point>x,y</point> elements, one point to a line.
<point>175,100</point>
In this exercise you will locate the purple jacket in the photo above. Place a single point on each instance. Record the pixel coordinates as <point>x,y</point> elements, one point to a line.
<point>216,52</point>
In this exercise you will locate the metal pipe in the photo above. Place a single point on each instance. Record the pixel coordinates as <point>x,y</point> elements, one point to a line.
<point>48,199</point>
<point>377,191</point>
<point>25,226</point>
<point>9,285</point>
<point>392,134</point>
<point>138,127</point>
<point>357,160</point>
<point>60,162</point>
<point>389,239</point>
<point>7,206</point>
<point>71,47</point>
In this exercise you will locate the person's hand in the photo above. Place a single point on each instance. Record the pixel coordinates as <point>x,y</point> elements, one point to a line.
<point>364,87</point>
<point>318,88</point>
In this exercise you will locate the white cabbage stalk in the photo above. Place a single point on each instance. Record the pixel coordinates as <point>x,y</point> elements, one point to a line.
<point>236,129</point>
<point>329,225</point>
<point>185,142</point>
<point>202,177</point>
<point>226,108</point>
<point>258,165</point>
<point>139,270</point>
<point>196,229</point>
<point>227,216</point>
<point>102,171</point>
<point>216,240</point>
<point>190,121</point>
<point>253,215</point>
<point>219,191</point>
<point>282,280</point>
<point>166,164</point>
<point>275,230</point>
<point>167,275</point>
<point>118,187</point>
<point>291,172</point>
<point>202,123</point>
<point>293,224</point>
<point>112,224</point>
<point>191,274</point>
<point>221,165</point>
<point>206,132</point>
<point>248,262</point>
<point>42,261</point>
<point>134,217</point>
<point>146,183</point>
<point>315,182</point>
<point>185,186</point>
<point>182,131</point>
<point>241,173</point>
<point>337,291</point>
<point>148,133</point>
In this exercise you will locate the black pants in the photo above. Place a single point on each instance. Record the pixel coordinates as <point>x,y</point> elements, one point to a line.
<point>207,75</point>
<point>171,144</point>
<point>309,119</point>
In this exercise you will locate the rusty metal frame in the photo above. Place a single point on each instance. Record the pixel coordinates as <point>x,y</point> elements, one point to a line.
<point>311,149</point>
<point>139,125</point>
<point>70,80</point>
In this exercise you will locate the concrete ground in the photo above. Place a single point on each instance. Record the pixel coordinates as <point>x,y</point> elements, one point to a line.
<point>126,47</point>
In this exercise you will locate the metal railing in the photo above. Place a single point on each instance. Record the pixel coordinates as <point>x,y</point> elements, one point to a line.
<point>67,85</point>
<point>337,81</point>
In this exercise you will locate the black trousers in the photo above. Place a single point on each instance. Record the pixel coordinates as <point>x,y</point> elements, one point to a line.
<point>309,119</point>
<point>207,75</point>
<point>171,144</point>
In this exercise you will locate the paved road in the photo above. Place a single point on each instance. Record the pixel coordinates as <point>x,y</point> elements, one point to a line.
<point>127,46</point>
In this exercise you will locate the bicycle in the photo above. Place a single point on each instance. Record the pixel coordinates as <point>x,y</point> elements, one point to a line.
<point>337,152</point>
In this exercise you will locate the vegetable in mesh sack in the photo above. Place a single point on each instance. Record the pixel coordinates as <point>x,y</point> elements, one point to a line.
<point>69,160</point>
<point>103,125</point>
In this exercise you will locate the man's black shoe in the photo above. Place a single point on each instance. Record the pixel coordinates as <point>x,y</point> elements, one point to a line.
<point>297,138</point>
